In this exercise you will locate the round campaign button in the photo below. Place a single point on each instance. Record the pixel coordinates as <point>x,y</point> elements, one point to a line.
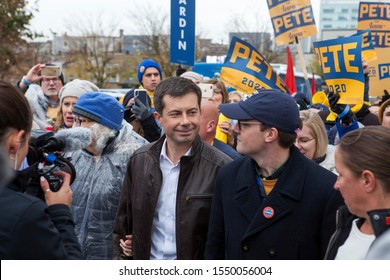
<point>268,212</point>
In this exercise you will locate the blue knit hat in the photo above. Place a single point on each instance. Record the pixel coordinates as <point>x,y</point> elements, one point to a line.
<point>145,65</point>
<point>101,108</point>
<point>271,107</point>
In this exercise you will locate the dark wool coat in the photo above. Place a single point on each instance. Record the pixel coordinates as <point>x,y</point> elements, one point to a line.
<point>295,221</point>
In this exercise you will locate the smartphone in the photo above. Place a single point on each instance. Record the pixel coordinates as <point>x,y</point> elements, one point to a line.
<point>207,90</point>
<point>141,94</point>
<point>51,71</point>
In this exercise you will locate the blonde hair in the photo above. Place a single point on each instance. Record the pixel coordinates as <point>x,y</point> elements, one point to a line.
<point>314,122</point>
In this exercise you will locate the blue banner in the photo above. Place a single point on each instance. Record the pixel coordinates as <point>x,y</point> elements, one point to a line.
<point>375,10</point>
<point>384,71</point>
<point>246,70</point>
<point>183,32</point>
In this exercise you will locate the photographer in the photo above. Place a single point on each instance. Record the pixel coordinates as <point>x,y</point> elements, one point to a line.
<point>41,86</point>
<point>29,228</point>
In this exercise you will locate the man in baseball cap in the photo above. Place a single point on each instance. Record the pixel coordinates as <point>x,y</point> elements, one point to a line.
<point>279,204</point>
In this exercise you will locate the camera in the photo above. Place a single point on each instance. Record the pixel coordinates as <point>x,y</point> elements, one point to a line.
<point>44,162</point>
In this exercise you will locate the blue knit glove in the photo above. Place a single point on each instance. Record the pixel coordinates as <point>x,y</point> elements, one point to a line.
<point>140,110</point>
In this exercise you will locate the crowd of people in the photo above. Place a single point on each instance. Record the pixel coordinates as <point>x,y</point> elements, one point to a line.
<point>169,173</point>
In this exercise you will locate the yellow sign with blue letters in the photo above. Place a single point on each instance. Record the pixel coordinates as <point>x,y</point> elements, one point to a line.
<point>341,63</point>
<point>376,17</point>
<point>290,19</point>
<point>246,70</point>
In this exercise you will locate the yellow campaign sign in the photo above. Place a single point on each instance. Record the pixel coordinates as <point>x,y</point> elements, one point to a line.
<point>246,70</point>
<point>376,17</point>
<point>290,19</point>
<point>379,72</point>
<point>341,63</point>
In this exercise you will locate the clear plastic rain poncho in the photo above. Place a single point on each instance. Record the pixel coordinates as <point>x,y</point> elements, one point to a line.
<point>96,192</point>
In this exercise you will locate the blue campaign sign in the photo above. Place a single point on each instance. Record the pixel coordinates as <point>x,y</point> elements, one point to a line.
<point>183,32</point>
<point>368,50</point>
<point>341,63</point>
<point>247,70</point>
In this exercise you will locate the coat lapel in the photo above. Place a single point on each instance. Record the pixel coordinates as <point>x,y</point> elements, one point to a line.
<point>287,193</point>
<point>247,196</point>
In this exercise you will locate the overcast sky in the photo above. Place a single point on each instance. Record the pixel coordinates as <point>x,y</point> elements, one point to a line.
<point>212,16</point>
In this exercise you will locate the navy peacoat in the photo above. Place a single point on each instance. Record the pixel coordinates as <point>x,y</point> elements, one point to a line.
<point>295,221</point>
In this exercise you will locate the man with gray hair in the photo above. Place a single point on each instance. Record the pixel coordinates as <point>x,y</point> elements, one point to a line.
<point>42,93</point>
<point>100,171</point>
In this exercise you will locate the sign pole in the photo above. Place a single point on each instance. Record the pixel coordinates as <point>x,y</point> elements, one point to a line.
<point>303,65</point>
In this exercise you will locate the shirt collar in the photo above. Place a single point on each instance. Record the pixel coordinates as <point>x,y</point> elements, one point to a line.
<point>163,153</point>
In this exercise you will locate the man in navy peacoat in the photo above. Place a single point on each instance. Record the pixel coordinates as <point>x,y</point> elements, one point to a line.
<point>274,203</point>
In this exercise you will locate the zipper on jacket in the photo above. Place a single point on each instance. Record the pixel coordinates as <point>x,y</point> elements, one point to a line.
<point>198,196</point>
<point>335,235</point>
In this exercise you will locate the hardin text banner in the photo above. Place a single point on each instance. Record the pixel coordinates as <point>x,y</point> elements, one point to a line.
<point>183,32</point>
<point>290,19</point>
<point>246,70</point>
<point>341,63</point>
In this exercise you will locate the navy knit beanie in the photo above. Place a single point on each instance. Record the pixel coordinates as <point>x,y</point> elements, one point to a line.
<point>145,65</point>
<point>101,108</point>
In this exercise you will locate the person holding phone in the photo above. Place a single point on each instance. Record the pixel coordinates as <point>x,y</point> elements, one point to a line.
<point>149,76</point>
<point>41,86</point>
<point>30,228</point>
<point>140,115</point>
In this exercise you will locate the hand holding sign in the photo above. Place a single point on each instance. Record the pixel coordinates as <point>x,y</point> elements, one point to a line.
<point>343,111</point>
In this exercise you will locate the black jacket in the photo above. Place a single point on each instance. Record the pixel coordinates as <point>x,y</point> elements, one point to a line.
<point>344,221</point>
<point>31,230</point>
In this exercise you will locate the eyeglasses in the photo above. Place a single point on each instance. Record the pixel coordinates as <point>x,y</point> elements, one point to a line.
<point>48,80</point>
<point>245,125</point>
<point>304,140</point>
<point>79,121</point>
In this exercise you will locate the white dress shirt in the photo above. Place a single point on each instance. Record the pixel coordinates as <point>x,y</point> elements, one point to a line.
<point>164,221</point>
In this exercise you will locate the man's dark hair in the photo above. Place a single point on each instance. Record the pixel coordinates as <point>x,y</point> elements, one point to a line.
<point>286,139</point>
<point>175,87</point>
